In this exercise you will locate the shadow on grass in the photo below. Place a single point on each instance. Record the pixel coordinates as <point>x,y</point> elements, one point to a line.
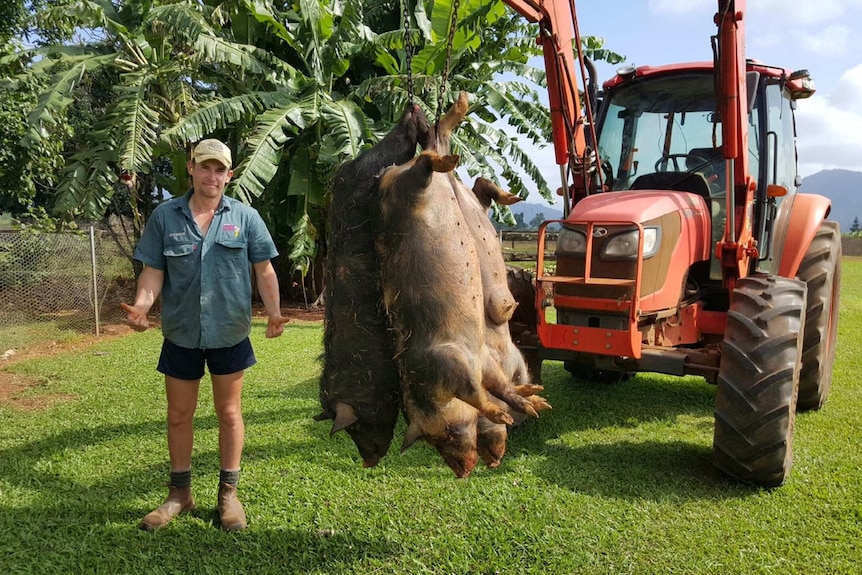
<point>74,512</point>
<point>83,526</point>
<point>94,543</point>
<point>650,469</point>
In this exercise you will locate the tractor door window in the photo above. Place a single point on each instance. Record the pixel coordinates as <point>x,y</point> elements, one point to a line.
<point>780,150</point>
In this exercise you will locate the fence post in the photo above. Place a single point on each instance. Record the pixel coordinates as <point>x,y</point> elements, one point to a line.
<point>95,279</point>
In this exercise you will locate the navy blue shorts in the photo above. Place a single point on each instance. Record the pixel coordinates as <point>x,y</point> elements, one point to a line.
<point>188,364</point>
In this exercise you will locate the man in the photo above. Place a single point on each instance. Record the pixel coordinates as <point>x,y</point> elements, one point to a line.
<point>198,252</point>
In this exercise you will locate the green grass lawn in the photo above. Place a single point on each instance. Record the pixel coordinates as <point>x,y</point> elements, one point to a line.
<point>616,479</point>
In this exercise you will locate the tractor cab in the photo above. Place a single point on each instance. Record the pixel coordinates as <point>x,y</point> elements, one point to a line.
<point>659,130</point>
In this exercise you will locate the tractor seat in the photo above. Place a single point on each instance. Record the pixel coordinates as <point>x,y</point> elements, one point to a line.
<point>679,181</point>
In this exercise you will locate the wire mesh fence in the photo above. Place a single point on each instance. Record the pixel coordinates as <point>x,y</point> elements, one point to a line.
<point>70,281</point>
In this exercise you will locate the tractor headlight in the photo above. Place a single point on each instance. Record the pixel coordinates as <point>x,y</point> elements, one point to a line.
<point>624,246</point>
<point>571,242</point>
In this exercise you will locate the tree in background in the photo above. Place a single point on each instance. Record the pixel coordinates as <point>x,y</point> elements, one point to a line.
<point>537,221</point>
<point>294,88</point>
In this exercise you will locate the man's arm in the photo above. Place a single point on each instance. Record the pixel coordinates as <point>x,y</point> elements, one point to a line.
<point>267,287</point>
<point>149,287</point>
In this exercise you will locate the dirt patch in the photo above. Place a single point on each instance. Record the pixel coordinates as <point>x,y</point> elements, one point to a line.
<point>13,393</point>
<point>294,312</point>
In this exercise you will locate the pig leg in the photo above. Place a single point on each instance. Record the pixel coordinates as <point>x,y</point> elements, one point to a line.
<point>415,176</point>
<point>496,382</point>
<point>523,387</point>
<point>441,141</point>
<point>463,381</point>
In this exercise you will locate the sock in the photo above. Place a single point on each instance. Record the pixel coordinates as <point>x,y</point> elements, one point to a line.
<point>181,478</point>
<point>231,477</point>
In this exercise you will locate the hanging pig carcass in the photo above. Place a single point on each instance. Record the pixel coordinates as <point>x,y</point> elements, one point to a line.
<point>508,376</point>
<point>432,289</point>
<point>359,384</point>
<point>433,297</point>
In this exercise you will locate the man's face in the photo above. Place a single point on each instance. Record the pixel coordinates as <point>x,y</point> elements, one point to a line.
<point>209,177</point>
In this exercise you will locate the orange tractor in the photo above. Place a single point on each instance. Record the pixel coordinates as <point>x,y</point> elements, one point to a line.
<point>685,247</point>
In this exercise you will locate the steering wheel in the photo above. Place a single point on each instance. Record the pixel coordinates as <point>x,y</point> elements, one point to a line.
<point>608,171</point>
<point>699,163</point>
<point>662,164</point>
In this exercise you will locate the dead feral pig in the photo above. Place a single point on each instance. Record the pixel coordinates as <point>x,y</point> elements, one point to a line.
<point>433,296</point>
<point>507,376</point>
<point>359,387</point>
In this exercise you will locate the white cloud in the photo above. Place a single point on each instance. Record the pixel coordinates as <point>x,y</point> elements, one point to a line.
<point>829,127</point>
<point>802,12</point>
<point>848,93</point>
<point>829,40</point>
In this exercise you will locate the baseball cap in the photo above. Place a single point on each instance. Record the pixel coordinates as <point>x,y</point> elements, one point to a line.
<point>212,149</point>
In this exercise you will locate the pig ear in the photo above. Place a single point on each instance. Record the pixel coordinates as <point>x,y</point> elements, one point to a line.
<point>344,417</point>
<point>414,432</point>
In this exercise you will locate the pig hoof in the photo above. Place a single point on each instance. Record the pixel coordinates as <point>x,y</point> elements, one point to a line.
<point>539,403</point>
<point>528,389</point>
<point>500,417</point>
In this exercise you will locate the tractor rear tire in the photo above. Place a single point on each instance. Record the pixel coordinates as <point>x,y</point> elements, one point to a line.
<point>821,271</point>
<point>525,318</point>
<point>758,379</point>
<point>523,325</point>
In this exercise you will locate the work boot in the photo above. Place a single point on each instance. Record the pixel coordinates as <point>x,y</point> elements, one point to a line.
<point>230,509</point>
<point>179,500</point>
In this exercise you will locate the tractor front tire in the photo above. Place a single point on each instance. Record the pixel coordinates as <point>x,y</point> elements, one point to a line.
<point>821,271</point>
<point>758,377</point>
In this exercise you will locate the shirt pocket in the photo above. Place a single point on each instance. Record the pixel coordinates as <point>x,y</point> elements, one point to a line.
<point>180,263</point>
<point>179,250</point>
<point>232,258</point>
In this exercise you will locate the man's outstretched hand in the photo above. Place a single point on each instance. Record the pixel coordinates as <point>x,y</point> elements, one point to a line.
<point>136,318</point>
<point>275,325</point>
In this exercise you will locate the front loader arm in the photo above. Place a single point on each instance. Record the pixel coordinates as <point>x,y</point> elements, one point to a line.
<point>558,37</point>
<point>737,246</point>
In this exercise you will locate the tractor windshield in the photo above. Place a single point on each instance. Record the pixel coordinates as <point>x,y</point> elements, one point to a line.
<point>656,132</point>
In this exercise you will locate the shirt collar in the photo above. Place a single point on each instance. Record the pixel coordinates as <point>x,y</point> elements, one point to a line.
<point>183,203</point>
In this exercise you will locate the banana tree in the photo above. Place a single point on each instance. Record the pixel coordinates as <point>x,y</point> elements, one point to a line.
<point>296,88</point>
<point>168,60</point>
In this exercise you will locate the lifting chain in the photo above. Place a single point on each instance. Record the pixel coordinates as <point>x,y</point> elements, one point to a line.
<point>408,51</point>
<point>453,23</point>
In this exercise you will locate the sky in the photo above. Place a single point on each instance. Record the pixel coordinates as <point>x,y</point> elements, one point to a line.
<point>822,36</point>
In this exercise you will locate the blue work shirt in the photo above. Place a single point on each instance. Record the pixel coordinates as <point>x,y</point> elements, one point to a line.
<point>206,295</point>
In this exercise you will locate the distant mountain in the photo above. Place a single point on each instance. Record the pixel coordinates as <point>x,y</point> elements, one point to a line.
<point>531,210</point>
<point>844,188</point>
